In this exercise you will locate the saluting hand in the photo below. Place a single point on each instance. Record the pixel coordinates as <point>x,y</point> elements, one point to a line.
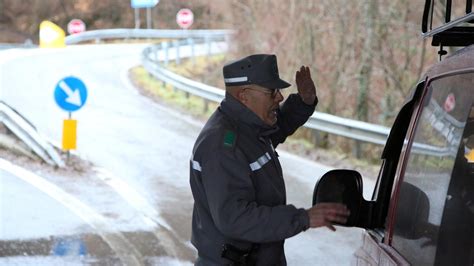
<point>325,214</point>
<point>305,85</point>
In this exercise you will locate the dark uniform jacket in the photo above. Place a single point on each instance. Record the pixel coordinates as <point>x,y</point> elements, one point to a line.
<point>237,183</point>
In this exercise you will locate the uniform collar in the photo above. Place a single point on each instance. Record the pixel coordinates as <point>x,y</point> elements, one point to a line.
<point>244,116</point>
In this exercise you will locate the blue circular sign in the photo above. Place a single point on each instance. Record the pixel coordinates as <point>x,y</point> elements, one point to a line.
<point>70,94</point>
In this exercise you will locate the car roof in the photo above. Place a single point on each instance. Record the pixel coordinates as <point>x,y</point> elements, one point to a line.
<point>461,59</point>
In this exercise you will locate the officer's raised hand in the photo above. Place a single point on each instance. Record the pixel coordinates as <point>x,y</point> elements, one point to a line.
<point>326,214</point>
<point>305,85</point>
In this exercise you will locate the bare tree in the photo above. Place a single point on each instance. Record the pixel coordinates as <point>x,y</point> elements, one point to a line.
<point>365,71</point>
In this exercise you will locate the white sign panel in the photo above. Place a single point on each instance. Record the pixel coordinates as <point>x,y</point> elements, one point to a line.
<point>144,3</point>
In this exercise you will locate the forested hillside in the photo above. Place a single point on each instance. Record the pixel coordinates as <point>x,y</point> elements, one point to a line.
<point>365,55</point>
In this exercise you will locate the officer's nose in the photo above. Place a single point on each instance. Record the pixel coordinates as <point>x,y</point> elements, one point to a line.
<point>279,97</point>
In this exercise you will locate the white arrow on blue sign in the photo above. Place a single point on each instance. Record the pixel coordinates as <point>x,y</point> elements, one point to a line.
<point>70,94</point>
<point>144,3</point>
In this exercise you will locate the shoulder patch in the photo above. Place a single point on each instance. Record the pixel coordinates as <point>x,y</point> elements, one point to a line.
<point>229,139</point>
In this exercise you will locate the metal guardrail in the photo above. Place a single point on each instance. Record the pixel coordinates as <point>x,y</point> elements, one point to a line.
<point>28,134</point>
<point>96,35</point>
<point>4,46</point>
<point>204,91</point>
<point>353,129</point>
<point>151,63</point>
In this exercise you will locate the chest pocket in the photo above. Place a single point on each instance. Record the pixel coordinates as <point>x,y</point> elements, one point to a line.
<point>260,162</point>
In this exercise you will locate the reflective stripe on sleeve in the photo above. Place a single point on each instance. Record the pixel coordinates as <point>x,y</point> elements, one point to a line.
<point>260,162</point>
<point>196,166</point>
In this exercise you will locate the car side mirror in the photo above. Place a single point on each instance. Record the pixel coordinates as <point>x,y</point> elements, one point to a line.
<point>345,186</point>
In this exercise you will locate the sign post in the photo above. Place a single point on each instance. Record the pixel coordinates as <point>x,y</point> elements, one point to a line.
<point>70,94</point>
<point>185,18</point>
<point>148,4</point>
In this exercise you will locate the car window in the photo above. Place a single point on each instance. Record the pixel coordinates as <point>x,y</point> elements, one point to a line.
<point>434,216</point>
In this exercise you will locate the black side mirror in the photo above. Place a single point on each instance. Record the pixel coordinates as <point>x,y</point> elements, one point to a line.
<point>345,186</point>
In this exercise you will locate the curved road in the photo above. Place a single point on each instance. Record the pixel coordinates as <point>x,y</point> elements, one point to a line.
<point>142,149</point>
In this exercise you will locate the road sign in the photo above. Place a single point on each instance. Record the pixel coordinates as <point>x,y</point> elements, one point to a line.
<point>69,134</point>
<point>449,103</point>
<point>185,18</point>
<point>76,26</point>
<point>144,3</point>
<point>70,94</point>
<point>51,35</point>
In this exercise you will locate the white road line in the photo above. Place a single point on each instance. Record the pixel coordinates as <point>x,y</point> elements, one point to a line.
<point>121,246</point>
<point>131,196</point>
<point>150,215</point>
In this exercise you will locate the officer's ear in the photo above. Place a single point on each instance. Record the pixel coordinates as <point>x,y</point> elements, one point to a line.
<point>239,92</point>
<point>242,95</point>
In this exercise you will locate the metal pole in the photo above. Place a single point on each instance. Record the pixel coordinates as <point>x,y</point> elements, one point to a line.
<point>148,18</point>
<point>68,156</point>
<point>448,11</point>
<point>137,18</point>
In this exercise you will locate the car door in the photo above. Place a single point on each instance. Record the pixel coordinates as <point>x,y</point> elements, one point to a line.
<point>431,216</point>
<point>422,208</point>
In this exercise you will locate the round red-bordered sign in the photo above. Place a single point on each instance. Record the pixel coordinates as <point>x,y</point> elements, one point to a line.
<point>185,18</point>
<point>449,103</point>
<point>76,26</point>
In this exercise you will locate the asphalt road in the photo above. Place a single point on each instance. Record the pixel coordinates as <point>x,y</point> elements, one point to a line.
<point>142,150</point>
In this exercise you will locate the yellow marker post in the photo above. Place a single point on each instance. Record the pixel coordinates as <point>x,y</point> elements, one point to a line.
<point>51,35</point>
<point>69,134</point>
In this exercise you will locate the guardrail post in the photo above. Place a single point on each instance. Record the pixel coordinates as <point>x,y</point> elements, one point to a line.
<point>176,47</point>
<point>164,46</point>
<point>156,49</point>
<point>206,106</point>
<point>207,40</point>
<point>357,149</point>
<point>316,138</point>
<point>191,43</point>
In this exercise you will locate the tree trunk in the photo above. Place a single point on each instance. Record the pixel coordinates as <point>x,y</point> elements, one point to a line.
<point>365,72</point>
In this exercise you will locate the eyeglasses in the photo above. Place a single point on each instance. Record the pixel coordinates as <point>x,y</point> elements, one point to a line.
<point>273,93</point>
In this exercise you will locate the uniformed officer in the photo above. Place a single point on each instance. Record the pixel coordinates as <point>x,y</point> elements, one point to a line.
<point>240,215</point>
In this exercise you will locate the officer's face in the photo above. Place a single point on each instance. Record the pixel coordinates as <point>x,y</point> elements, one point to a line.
<point>263,102</point>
